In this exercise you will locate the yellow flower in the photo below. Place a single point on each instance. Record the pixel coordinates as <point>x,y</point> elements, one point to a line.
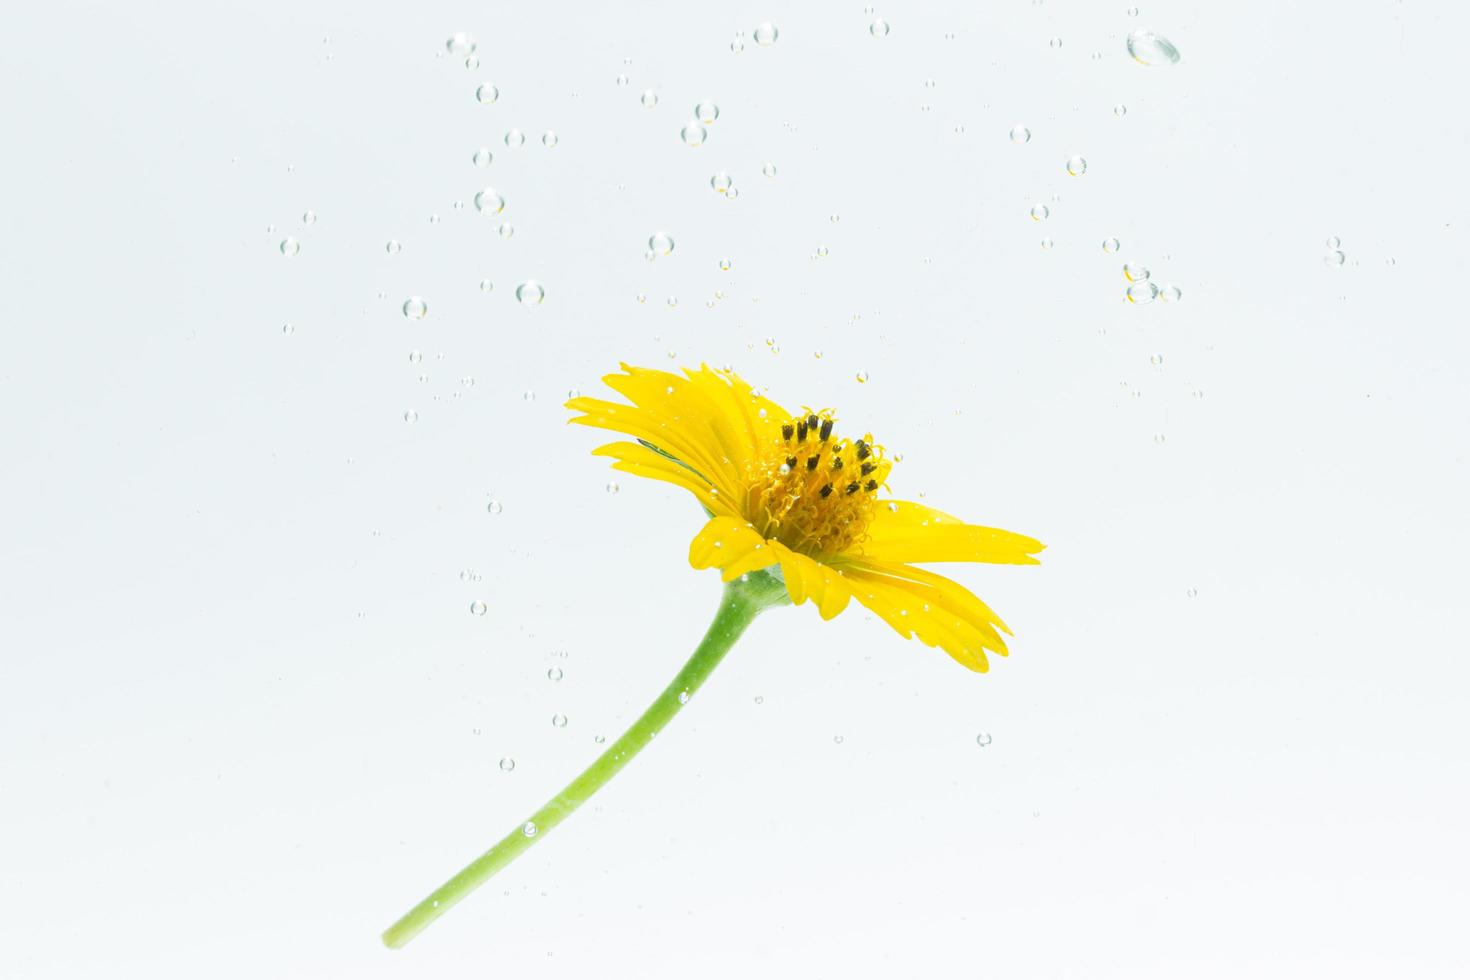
<point>789,489</point>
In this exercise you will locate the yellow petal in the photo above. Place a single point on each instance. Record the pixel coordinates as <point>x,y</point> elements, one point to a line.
<point>641,461</point>
<point>732,545</point>
<point>903,531</point>
<point>937,610</point>
<point>807,578</point>
<point>671,436</point>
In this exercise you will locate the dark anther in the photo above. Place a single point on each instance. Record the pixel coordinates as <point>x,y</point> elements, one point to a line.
<point>811,461</point>
<point>871,485</point>
<point>852,487</point>
<point>826,429</point>
<point>826,491</point>
<point>837,462</point>
<point>812,421</point>
<point>791,462</point>
<point>786,431</point>
<point>863,452</point>
<point>868,468</point>
<point>800,431</point>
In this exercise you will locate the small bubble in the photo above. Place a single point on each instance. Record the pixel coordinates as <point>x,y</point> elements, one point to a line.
<point>1142,292</point>
<point>737,46</point>
<point>554,673</point>
<point>433,219</point>
<point>693,133</point>
<point>472,62</point>
<point>1148,48</point>
<point>769,170</point>
<point>706,112</point>
<point>487,94</point>
<point>461,45</point>
<point>599,739</point>
<point>507,764</point>
<point>1332,259</point>
<point>1040,212</point>
<point>479,608</point>
<point>733,193</point>
<point>290,246</point>
<point>549,139</point>
<point>488,201</point>
<point>414,357</point>
<point>983,739</point>
<point>486,286</point>
<point>837,739</point>
<point>1055,43</point>
<point>1132,11</point>
<point>878,28</point>
<point>394,246</point>
<point>288,329</point>
<point>1170,294</point>
<point>725,265</point>
<point>528,395</point>
<point>1333,242</point>
<point>514,138</point>
<point>673,301</point>
<point>1046,244</point>
<point>760,699</point>
<point>495,507</point>
<point>660,243</point>
<point>613,487</point>
<point>683,697</point>
<point>765,34</point>
<point>1076,166</point>
<point>506,229</point>
<point>721,182</point>
<point>309,218</point>
<point>821,251</point>
<point>1160,438</point>
<point>1134,273</point>
<point>1120,110</point>
<point>649,98</point>
<point>862,377</point>
<point>529,829</point>
<point>530,293</point>
<point>1156,359</point>
<point>415,308</point>
<point>1020,134</point>
<point>1111,245</point>
<point>559,720</point>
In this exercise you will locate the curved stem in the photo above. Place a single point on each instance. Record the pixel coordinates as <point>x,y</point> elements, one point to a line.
<point>741,603</point>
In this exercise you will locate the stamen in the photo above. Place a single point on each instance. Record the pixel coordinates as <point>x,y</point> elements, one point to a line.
<point>786,431</point>
<point>791,462</point>
<point>863,452</point>
<point>826,429</point>
<point>826,491</point>
<point>870,486</point>
<point>837,462</point>
<point>801,431</point>
<point>852,487</point>
<point>811,461</point>
<point>868,468</point>
<point>811,421</point>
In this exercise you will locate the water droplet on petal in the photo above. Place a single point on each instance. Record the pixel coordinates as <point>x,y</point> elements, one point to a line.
<point>720,182</point>
<point>529,829</point>
<point>613,487</point>
<point>288,329</point>
<point>486,286</point>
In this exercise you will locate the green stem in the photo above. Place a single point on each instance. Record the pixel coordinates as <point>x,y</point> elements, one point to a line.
<point>742,601</point>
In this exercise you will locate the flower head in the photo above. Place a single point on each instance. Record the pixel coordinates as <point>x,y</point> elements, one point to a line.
<point>789,489</point>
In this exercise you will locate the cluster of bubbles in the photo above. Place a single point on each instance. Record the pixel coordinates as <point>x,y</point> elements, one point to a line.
<point>1334,257</point>
<point>694,132</point>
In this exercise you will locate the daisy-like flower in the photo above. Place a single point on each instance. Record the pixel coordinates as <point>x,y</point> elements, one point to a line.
<point>790,489</point>
<point>796,512</point>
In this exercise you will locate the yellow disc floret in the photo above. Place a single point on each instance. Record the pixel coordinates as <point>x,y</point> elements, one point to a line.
<point>811,490</point>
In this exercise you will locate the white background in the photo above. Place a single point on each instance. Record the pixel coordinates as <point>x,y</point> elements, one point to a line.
<point>247,718</point>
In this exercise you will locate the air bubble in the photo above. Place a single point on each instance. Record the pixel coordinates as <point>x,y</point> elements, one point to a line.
<point>1134,273</point>
<point>461,45</point>
<point>507,764</point>
<point>1148,48</point>
<point>515,139</point>
<point>721,182</point>
<point>488,201</point>
<point>765,34</point>
<point>1142,292</point>
<point>693,133</point>
<point>415,308</point>
<point>862,377</point>
<point>706,112</point>
<point>1334,259</point>
<point>983,739</point>
<point>878,28</point>
<point>660,243</point>
<point>1076,166</point>
<point>559,720</point>
<point>486,94</point>
<point>1020,134</point>
<point>393,247</point>
<point>530,293</point>
<point>613,487</point>
<point>1040,212</point>
<point>554,673</point>
<point>529,828</point>
<point>769,170</point>
<point>549,139</point>
<point>479,608</point>
<point>290,246</point>
<point>649,98</point>
<point>1111,245</point>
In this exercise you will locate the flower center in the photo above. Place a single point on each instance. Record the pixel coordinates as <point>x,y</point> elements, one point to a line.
<point>813,491</point>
